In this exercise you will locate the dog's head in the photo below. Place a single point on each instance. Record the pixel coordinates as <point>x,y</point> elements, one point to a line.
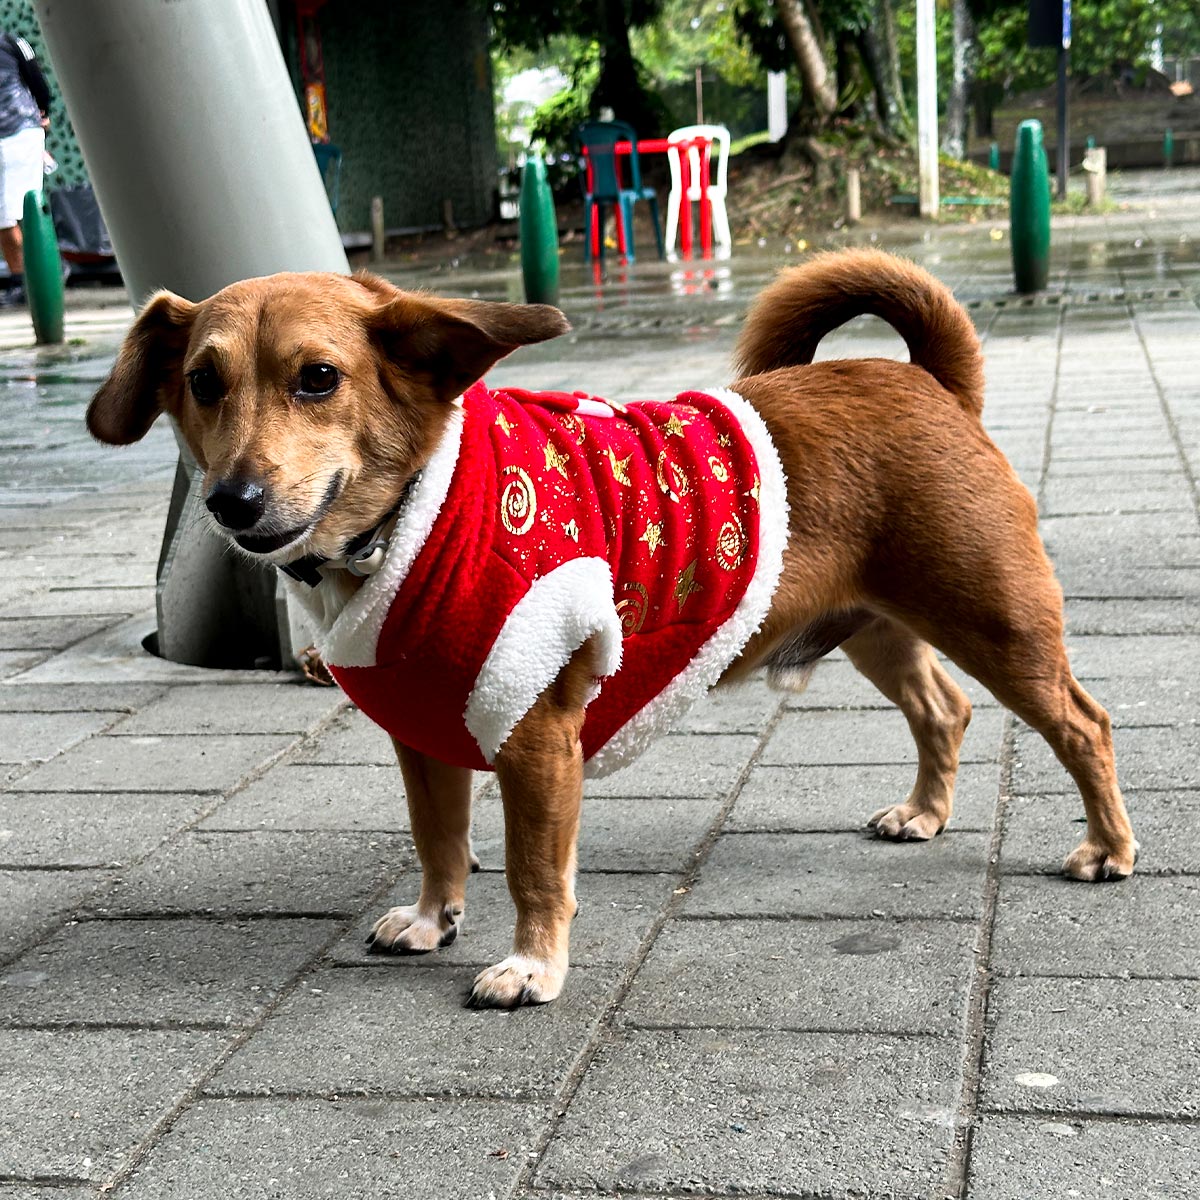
<point>307,399</point>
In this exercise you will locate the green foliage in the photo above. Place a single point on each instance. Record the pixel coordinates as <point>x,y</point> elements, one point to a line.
<point>698,33</point>
<point>555,118</point>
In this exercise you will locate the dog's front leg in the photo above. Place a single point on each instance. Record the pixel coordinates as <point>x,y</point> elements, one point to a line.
<point>439,810</point>
<point>540,769</point>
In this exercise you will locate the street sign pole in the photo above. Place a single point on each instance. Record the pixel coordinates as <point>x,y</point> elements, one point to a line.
<point>1064,64</point>
<point>927,135</point>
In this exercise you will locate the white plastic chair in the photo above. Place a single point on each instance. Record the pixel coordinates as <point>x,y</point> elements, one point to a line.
<point>719,136</point>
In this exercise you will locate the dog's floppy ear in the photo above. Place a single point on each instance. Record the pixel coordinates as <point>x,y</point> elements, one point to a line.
<point>131,397</point>
<point>452,343</point>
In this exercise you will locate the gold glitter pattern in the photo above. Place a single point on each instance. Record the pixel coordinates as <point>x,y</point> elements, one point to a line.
<point>671,478</point>
<point>556,461</point>
<point>505,424</point>
<point>652,536</point>
<point>631,610</point>
<point>686,585</point>
<point>675,426</point>
<point>732,544</point>
<point>717,467</point>
<point>518,502</point>
<point>620,468</point>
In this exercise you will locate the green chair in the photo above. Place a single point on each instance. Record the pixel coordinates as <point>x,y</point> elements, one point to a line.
<point>602,185</point>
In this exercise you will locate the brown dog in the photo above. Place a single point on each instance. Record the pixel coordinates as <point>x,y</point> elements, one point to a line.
<point>311,401</point>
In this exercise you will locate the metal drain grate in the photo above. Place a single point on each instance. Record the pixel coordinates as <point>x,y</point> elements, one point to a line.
<point>1097,296</point>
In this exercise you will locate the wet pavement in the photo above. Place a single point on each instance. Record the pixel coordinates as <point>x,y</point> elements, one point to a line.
<point>765,1002</point>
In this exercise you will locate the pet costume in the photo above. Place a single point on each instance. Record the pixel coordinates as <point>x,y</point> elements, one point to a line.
<point>543,521</point>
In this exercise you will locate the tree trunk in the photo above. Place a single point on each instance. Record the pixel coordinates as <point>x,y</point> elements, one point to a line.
<point>619,87</point>
<point>877,43</point>
<point>954,141</point>
<point>819,83</point>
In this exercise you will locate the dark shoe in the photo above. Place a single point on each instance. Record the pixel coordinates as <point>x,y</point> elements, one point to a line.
<point>13,297</point>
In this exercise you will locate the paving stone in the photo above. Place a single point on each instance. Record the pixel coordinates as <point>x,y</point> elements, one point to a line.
<point>89,601</point>
<point>841,875</point>
<point>1147,757</point>
<point>48,633</point>
<point>732,1112</point>
<point>35,902</point>
<point>1040,831</point>
<point>76,1103</point>
<point>1127,1046</point>
<point>390,1149</point>
<point>615,914</point>
<point>638,834</point>
<point>303,796</point>
<point>1179,616</point>
<point>36,737</point>
<point>835,799</point>
<point>242,708</point>
<point>837,683</point>
<point>406,1032</point>
<point>250,874</point>
<point>13,662</point>
<point>79,697</point>
<point>835,976</point>
<point>1152,657</point>
<point>183,972</point>
<point>680,766</point>
<point>829,738</point>
<point>1108,579</point>
<point>353,739</point>
<point>1056,926</point>
<point>80,829</point>
<point>154,764</point>
<point>744,708</point>
<point>1012,1159</point>
<point>1131,701</point>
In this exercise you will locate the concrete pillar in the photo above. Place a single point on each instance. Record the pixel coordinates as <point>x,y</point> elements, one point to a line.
<point>777,114</point>
<point>196,147</point>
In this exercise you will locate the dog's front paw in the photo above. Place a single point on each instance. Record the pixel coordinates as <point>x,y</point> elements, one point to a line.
<point>906,823</point>
<point>1094,863</point>
<point>517,980</point>
<point>412,930</point>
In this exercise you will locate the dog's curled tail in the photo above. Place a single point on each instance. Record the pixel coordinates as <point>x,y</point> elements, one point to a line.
<point>794,313</point>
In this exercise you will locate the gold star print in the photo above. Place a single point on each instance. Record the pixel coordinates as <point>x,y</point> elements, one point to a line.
<point>571,530</point>
<point>724,440</point>
<point>652,537</point>
<point>555,461</point>
<point>675,426</point>
<point>620,468</point>
<point>504,424</point>
<point>754,491</point>
<point>686,584</point>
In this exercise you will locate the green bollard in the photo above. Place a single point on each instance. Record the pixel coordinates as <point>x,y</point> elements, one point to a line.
<point>539,234</point>
<point>994,156</point>
<point>1030,209</point>
<point>1169,148</point>
<point>43,269</point>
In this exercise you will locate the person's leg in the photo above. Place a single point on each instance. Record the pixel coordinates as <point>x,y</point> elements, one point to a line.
<point>12,247</point>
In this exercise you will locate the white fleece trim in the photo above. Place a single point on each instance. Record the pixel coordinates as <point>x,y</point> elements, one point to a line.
<point>560,612</point>
<point>726,643</point>
<point>351,640</point>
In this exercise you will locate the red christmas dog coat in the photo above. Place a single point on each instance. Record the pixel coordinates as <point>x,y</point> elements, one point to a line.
<point>544,520</point>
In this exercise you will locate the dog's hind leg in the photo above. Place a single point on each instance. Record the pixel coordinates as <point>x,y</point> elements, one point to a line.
<point>439,810</point>
<point>540,769</point>
<point>906,670</point>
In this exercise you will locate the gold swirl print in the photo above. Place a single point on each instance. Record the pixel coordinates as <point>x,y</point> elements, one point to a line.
<point>518,502</point>
<point>671,478</point>
<point>731,545</point>
<point>718,468</point>
<point>631,611</point>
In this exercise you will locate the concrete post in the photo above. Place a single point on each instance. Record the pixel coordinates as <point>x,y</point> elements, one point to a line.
<point>777,114</point>
<point>204,173</point>
<point>853,195</point>
<point>927,134</point>
<point>1095,166</point>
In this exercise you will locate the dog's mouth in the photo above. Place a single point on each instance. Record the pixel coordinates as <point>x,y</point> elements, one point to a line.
<point>269,543</point>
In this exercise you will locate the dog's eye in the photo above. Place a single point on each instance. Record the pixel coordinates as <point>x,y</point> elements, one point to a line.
<point>318,379</point>
<point>206,385</point>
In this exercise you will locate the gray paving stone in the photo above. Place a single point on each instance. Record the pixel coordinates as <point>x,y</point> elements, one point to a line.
<point>242,708</point>
<point>36,737</point>
<point>1128,1046</point>
<point>250,874</point>
<point>680,766</point>
<point>835,976</point>
<point>836,683</point>
<point>615,914</point>
<point>304,796</point>
<point>1131,701</point>
<point>354,1032</point>
<point>731,1112</point>
<point>48,633</point>
<point>839,799</point>
<point>1150,656</point>
<point>1147,757</point>
<point>36,902</point>
<point>744,708</point>
<point>13,662</point>
<point>1177,616</point>
<point>155,764</point>
<point>76,1103</point>
<point>353,740</point>
<point>1015,1158</point>
<point>828,738</point>
<point>1055,926</point>
<point>390,1149</point>
<point>183,972</point>
<point>87,601</point>
<point>80,829</point>
<point>79,697</point>
<point>841,875</point>
<point>638,834</point>
<point>1109,579</point>
<point>1041,830</point>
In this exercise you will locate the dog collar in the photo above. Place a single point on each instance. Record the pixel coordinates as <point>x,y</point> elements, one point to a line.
<point>363,555</point>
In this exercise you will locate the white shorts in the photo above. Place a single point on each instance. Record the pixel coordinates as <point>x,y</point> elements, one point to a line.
<point>20,172</point>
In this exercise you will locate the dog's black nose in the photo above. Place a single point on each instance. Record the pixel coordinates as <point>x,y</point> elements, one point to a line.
<point>236,503</point>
